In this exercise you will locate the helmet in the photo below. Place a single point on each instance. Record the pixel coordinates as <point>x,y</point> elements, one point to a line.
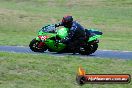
<point>67,20</point>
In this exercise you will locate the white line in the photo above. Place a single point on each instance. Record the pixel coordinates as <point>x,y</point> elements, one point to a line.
<point>115,50</point>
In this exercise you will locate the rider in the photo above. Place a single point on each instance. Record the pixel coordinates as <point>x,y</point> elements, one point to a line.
<point>76,33</point>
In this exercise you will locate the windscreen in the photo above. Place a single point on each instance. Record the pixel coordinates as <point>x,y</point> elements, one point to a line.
<point>49,29</point>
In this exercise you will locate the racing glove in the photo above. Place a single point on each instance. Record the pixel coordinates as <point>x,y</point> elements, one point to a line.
<point>59,24</point>
<point>65,40</point>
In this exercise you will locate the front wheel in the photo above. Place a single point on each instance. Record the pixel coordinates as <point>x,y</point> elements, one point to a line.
<point>35,46</point>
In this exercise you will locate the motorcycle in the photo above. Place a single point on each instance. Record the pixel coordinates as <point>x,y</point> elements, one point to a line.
<point>48,39</point>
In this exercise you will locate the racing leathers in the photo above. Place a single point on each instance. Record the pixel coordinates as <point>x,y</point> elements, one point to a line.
<point>76,34</point>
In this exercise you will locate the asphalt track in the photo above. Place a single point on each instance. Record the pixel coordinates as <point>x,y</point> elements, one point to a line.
<point>98,53</point>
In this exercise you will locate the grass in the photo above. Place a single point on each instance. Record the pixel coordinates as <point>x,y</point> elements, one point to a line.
<point>21,19</point>
<point>43,71</point>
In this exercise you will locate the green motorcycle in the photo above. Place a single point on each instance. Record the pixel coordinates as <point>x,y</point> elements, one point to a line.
<point>48,39</point>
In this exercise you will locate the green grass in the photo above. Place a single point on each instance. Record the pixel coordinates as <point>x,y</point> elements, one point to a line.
<point>21,19</point>
<point>43,71</point>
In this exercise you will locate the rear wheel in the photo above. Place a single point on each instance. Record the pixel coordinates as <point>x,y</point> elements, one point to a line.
<point>89,49</point>
<point>85,50</point>
<point>35,46</point>
<point>94,47</point>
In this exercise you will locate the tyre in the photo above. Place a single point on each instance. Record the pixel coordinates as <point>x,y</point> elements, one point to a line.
<point>94,47</point>
<point>89,49</point>
<point>34,46</point>
<point>85,51</point>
